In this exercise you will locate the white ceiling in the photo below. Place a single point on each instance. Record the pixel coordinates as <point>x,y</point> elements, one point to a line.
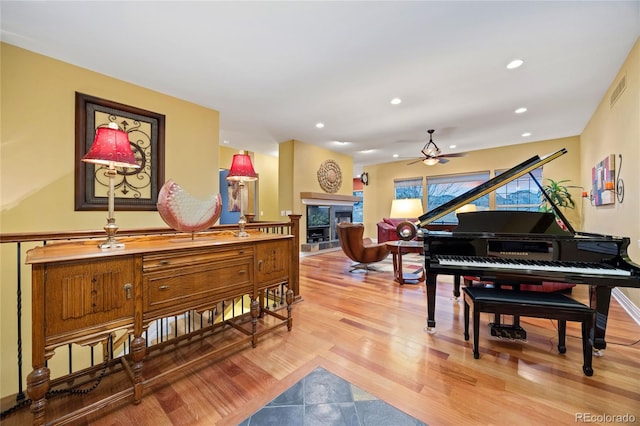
<point>275,69</point>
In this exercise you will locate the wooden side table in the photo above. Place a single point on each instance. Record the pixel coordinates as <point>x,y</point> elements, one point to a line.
<point>398,248</point>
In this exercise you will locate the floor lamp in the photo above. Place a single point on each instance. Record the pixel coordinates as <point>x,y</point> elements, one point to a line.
<point>111,148</point>
<point>241,171</point>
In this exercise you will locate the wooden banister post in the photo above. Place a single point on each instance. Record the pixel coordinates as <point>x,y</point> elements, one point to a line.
<point>294,277</point>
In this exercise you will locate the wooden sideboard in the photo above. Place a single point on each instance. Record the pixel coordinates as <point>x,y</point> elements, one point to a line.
<point>82,294</point>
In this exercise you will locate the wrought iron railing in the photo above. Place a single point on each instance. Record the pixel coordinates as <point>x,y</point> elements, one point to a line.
<point>14,251</point>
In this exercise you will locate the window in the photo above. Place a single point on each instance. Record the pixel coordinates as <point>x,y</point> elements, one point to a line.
<point>357,208</point>
<point>408,188</point>
<point>442,189</point>
<point>521,194</point>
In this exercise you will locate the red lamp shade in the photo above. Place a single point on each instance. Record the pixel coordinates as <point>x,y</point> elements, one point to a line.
<point>241,169</point>
<point>111,145</point>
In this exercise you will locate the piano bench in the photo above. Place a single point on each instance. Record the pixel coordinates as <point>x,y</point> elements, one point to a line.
<point>530,304</point>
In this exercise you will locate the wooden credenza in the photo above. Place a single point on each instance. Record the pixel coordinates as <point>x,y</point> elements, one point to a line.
<point>82,294</point>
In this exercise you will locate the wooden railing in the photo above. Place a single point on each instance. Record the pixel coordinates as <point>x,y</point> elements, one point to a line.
<point>14,250</point>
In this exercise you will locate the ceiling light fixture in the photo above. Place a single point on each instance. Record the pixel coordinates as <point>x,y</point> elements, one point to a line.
<point>396,101</point>
<point>395,155</point>
<point>526,134</point>
<point>520,110</point>
<point>452,146</point>
<point>516,63</point>
<point>430,161</point>
<point>319,125</point>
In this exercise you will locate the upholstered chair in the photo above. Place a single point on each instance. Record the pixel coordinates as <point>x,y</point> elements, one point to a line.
<point>361,250</point>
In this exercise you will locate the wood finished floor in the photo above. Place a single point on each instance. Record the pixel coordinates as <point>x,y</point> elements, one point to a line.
<point>368,330</point>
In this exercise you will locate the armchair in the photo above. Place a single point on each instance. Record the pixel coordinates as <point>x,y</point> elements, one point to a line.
<point>359,249</point>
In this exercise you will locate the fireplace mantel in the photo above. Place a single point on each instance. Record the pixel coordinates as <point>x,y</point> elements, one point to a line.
<point>316,198</point>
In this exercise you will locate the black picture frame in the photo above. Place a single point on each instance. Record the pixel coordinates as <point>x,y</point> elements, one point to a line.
<point>135,189</point>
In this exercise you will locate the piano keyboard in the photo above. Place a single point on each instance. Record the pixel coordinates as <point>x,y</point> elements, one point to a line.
<point>531,265</point>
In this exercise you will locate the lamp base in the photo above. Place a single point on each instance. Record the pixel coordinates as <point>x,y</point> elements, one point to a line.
<point>111,243</point>
<point>241,224</point>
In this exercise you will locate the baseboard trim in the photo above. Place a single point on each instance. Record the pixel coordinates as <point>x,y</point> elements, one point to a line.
<point>627,304</point>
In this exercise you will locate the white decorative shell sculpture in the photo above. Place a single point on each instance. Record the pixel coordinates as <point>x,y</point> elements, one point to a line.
<point>183,212</point>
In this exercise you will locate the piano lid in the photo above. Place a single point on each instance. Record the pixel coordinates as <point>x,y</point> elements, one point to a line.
<point>490,185</point>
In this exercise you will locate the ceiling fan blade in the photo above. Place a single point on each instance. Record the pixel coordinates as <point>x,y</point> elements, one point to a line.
<point>415,161</point>
<point>442,160</point>
<point>461,154</point>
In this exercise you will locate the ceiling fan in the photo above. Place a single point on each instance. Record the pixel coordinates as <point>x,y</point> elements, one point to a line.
<point>432,154</point>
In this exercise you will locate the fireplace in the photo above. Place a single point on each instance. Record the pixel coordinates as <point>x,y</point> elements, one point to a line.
<point>340,214</point>
<point>323,213</point>
<point>322,221</point>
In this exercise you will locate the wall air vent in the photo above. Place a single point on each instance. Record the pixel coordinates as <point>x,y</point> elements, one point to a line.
<point>618,90</point>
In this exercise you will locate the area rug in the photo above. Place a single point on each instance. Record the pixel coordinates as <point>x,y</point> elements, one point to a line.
<point>322,399</point>
<point>410,262</point>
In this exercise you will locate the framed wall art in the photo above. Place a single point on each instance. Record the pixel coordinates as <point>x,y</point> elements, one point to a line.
<point>135,189</point>
<point>602,180</point>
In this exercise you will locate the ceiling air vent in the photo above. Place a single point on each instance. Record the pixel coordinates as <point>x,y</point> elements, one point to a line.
<point>618,90</point>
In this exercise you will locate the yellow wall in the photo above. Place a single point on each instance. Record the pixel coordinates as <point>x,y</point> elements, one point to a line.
<point>616,130</point>
<point>38,157</point>
<point>285,176</point>
<point>37,161</point>
<point>299,164</point>
<point>379,193</point>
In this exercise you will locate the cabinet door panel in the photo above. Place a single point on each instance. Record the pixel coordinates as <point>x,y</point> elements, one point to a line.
<point>92,295</point>
<point>273,262</point>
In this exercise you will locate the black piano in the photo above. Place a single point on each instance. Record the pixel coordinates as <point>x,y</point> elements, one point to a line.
<point>516,247</point>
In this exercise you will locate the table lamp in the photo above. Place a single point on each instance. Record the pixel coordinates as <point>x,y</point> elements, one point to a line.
<point>406,208</point>
<point>410,209</point>
<point>111,148</point>
<point>241,171</point>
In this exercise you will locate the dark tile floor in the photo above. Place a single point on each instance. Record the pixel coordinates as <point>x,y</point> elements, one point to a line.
<point>324,399</point>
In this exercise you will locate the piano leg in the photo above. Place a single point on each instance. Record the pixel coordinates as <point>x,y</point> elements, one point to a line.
<point>456,287</point>
<point>599,299</point>
<point>430,282</point>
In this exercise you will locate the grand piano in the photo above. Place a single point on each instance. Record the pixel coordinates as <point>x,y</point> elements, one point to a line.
<point>516,247</point>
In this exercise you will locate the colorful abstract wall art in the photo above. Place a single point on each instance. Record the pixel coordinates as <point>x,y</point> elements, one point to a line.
<point>602,180</point>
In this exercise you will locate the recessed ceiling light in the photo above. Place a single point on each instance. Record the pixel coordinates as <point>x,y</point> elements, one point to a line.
<point>319,125</point>
<point>225,142</point>
<point>516,63</point>
<point>452,146</point>
<point>526,134</point>
<point>395,155</point>
<point>367,151</point>
<point>396,101</point>
<point>520,110</point>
